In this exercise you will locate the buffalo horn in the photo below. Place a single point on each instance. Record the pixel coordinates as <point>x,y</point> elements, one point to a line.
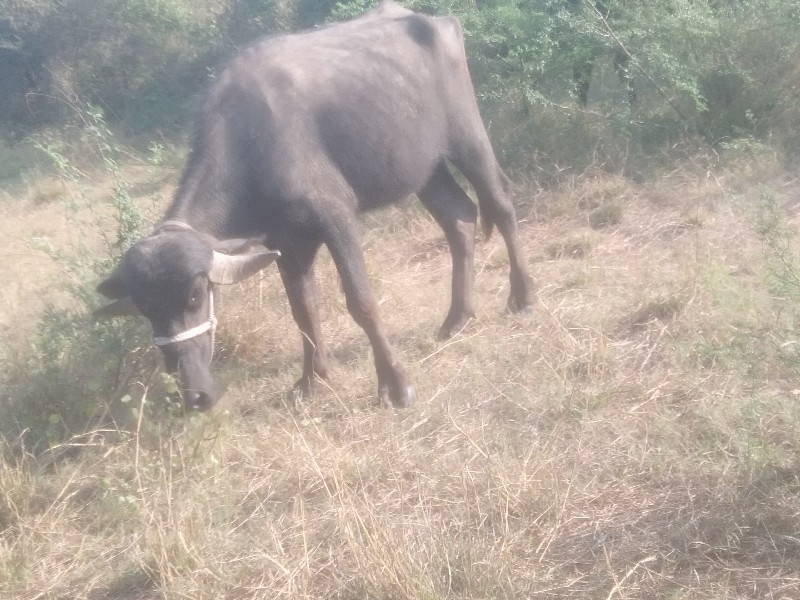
<point>227,269</point>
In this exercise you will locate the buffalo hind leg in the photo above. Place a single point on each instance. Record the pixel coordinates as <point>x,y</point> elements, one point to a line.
<point>345,248</point>
<point>297,272</point>
<point>456,214</point>
<point>494,196</point>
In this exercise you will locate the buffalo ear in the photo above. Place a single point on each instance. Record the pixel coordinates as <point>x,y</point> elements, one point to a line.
<point>227,269</point>
<point>122,307</point>
<point>113,286</point>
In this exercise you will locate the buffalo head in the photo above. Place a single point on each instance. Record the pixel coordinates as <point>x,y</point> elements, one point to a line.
<point>169,278</point>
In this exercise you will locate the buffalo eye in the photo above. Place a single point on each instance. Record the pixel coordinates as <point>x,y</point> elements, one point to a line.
<point>196,297</point>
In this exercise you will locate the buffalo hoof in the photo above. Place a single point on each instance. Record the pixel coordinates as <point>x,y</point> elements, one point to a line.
<point>306,387</point>
<point>399,398</point>
<point>454,326</point>
<point>515,306</point>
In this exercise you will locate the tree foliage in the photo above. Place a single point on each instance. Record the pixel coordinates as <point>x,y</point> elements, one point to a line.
<point>123,55</point>
<point>718,69</point>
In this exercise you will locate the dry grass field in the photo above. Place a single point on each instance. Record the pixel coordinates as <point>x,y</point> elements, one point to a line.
<point>637,437</point>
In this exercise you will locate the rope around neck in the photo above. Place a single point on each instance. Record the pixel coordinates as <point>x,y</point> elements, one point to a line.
<point>210,324</point>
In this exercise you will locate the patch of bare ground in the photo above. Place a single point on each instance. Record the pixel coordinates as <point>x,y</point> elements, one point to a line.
<point>636,437</point>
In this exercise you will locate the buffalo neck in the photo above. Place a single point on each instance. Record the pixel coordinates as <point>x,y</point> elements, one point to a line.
<point>202,204</point>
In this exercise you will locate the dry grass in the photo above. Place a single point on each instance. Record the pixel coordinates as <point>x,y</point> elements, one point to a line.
<point>638,437</point>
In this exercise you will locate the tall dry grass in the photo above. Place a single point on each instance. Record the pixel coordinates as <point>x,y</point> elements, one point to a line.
<point>637,437</point>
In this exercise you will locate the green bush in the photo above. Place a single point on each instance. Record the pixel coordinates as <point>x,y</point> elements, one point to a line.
<point>130,56</point>
<point>715,71</point>
<point>77,371</point>
<point>782,261</point>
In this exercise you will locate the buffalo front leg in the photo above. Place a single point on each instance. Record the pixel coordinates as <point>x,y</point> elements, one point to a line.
<point>297,272</point>
<point>393,384</point>
<point>456,214</point>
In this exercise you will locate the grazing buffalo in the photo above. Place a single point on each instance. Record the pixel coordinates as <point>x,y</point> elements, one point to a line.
<point>297,135</point>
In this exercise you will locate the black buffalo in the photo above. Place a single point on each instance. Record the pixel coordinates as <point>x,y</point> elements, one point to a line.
<point>297,135</point>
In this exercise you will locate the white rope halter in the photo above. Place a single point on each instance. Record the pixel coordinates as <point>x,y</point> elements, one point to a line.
<point>210,324</point>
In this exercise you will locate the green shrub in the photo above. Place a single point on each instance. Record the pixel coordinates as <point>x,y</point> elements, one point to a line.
<point>130,56</point>
<point>718,70</point>
<point>782,259</point>
<point>77,370</point>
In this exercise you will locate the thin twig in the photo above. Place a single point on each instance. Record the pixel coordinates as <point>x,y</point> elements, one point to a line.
<point>618,585</point>
<point>593,7</point>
